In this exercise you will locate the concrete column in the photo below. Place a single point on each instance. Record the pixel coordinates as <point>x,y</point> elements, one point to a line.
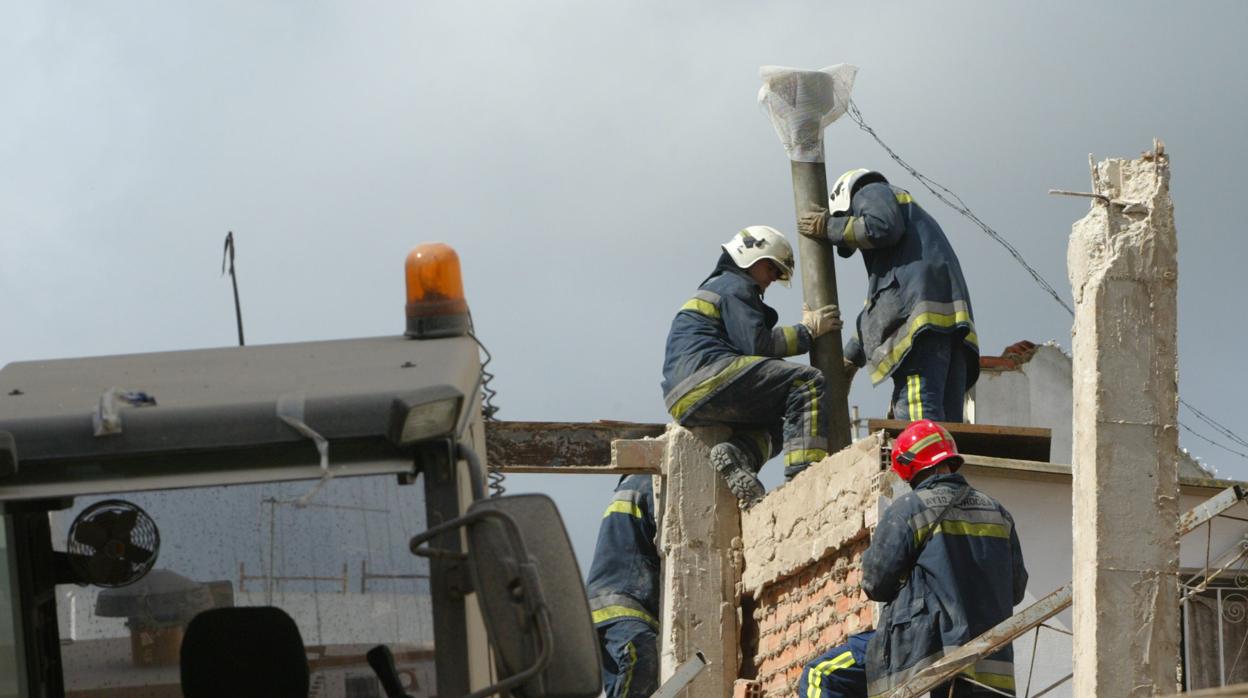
<point>700,539</point>
<point>1123,271</point>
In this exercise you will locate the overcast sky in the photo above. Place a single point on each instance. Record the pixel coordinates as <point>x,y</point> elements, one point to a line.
<point>585,159</point>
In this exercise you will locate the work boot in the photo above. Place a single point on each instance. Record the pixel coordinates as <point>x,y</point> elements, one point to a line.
<point>734,465</point>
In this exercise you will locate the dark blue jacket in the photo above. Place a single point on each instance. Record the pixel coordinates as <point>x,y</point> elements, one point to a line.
<point>968,577</point>
<point>624,576</point>
<point>841,672</point>
<point>719,335</point>
<point>914,281</point>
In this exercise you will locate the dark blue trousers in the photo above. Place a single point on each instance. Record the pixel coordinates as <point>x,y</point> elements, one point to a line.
<point>630,658</point>
<point>841,672</point>
<point>774,402</point>
<point>930,383</point>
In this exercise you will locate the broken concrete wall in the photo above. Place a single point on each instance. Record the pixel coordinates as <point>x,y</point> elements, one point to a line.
<point>803,548</point>
<point>1123,267</point>
<point>700,541</point>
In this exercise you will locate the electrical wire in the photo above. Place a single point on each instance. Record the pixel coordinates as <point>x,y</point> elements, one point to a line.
<point>948,197</point>
<point>494,476</point>
<point>955,202</point>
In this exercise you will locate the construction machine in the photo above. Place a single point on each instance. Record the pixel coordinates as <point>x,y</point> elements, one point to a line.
<point>290,519</point>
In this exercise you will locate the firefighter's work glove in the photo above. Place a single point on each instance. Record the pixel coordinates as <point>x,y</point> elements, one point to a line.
<point>821,320</point>
<point>850,371</point>
<point>814,224</point>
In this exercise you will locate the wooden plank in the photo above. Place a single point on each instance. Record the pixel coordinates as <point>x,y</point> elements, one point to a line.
<point>998,441</point>
<point>542,447</point>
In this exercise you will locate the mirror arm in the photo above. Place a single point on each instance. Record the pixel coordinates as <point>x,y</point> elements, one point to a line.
<point>465,452</point>
<point>528,571</point>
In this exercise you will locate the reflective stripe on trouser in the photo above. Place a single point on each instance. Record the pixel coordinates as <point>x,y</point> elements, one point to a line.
<point>931,382</point>
<point>836,677</point>
<point>630,659</point>
<point>783,399</point>
<point>990,672</point>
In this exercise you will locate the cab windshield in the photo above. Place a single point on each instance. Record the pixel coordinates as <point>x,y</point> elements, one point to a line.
<point>333,556</point>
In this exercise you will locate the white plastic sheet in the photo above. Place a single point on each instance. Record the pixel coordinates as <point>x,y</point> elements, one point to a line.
<point>290,410</point>
<point>106,420</point>
<point>801,103</point>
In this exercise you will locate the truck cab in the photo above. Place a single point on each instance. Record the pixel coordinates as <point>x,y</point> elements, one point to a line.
<point>138,492</point>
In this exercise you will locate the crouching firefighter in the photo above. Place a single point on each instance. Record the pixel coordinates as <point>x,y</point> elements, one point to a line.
<point>623,589</point>
<point>917,326</point>
<point>946,560</point>
<point>722,365</point>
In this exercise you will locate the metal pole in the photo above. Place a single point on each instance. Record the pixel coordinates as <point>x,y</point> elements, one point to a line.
<point>268,585</point>
<point>238,307</point>
<point>810,191</point>
<point>801,104</point>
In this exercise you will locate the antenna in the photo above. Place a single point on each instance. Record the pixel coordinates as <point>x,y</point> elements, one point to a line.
<point>238,308</point>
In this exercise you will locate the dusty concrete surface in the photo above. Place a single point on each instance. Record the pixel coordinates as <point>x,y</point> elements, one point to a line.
<point>700,540</point>
<point>817,512</point>
<point>1123,272</point>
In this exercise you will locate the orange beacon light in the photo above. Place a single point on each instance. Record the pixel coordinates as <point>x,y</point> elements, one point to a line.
<point>435,293</point>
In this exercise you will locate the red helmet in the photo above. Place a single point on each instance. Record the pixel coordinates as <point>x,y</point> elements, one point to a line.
<point>924,444</point>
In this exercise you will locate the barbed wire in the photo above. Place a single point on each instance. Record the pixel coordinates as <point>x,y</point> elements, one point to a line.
<point>955,202</point>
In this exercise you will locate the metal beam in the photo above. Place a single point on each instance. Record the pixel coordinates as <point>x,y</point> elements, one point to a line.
<point>1210,508</point>
<point>563,447</point>
<point>1016,443</point>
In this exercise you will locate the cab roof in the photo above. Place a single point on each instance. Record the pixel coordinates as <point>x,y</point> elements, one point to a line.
<point>212,416</point>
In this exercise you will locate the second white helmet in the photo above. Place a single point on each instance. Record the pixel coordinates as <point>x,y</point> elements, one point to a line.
<point>838,200</point>
<point>762,242</point>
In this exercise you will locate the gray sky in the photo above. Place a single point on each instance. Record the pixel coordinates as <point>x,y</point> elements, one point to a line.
<point>585,159</point>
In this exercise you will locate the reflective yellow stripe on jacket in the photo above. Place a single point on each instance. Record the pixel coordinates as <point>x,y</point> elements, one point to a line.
<point>603,615</point>
<point>706,387</point>
<point>926,314</point>
<point>621,506</point>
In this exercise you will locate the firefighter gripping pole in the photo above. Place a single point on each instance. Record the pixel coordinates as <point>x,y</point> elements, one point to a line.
<point>801,103</point>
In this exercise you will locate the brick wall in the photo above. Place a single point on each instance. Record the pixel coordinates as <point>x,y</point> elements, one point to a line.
<point>798,618</point>
<point>802,551</point>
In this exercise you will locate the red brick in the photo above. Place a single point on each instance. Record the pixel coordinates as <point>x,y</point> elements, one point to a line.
<point>865,615</point>
<point>853,623</point>
<point>843,604</point>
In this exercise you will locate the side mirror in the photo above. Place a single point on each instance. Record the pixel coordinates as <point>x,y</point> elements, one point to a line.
<point>527,582</point>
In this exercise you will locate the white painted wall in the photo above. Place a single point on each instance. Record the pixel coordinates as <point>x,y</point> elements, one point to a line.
<point>1037,394</point>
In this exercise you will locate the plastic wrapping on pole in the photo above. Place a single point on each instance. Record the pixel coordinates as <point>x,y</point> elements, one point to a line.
<point>801,103</point>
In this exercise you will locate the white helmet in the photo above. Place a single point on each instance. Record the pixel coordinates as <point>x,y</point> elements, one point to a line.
<point>761,242</point>
<point>838,200</point>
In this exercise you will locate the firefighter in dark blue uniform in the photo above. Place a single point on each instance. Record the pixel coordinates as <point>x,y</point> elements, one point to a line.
<point>623,589</point>
<point>841,672</point>
<point>917,326</point>
<point>946,560</point>
<point>722,365</point>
